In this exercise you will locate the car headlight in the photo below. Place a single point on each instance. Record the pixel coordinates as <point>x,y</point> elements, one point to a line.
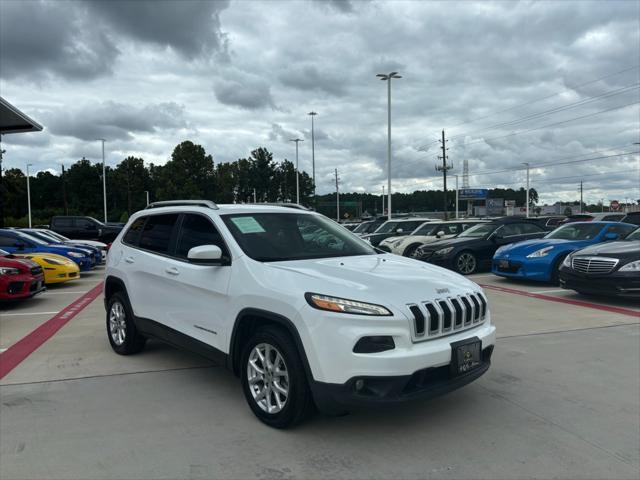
<point>342,305</point>
<point>76,255</point>
<point>52,261</point>
<point>444,251</point>
<point>9,271</point>
<point>567,261</point>
<point>631,267</point>
<point>499,250</point>
<point>398,242</point>
<point>543,252</point>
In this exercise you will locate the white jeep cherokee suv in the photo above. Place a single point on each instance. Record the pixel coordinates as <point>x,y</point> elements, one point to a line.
<point>302,310</point>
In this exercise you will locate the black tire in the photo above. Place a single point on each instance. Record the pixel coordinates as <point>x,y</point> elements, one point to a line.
<point>555,270</point>
<point>465,267</point>
<point>410,250</point>
<point>131,340</point>
<point>298,403</point>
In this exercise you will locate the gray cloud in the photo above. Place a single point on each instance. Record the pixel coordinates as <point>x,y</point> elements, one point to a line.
<point>313,78</point>
<point>114,120</point>
<point>38,38</point>
<point>243,89</point>
<point>345,6</point>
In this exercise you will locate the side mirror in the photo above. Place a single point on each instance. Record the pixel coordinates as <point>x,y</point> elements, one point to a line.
<point>205,254</point>
<point>399,230</point>
<point>440,234</point>
<point>611,236</point>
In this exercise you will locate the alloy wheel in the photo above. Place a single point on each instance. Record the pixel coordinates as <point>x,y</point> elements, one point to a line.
<point>268,378</point>
<point>117,323</point>
<point>466,263</point>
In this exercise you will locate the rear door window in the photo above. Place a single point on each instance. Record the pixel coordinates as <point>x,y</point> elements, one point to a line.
<point>197,230</point>
<point>157,231</point>
<point>133,234</point>
<point>63,222</point>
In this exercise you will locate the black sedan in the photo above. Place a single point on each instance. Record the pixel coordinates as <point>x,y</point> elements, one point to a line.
<point>473,249</point>
<point>605,269</point>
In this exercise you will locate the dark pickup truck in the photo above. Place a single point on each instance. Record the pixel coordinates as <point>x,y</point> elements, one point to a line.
<point>84,228</point>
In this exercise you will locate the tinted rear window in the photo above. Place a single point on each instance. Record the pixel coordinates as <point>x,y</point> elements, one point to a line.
<point>156,234</point>
<point>63,222</point>
<point>133,234</point>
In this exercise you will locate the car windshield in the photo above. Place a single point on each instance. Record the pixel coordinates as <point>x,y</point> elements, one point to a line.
<point>364,227</point>
<point>576,231</point>
<point>31,238</point>
<point>273,237</point>
<point>427,229</point>
<point>55,235</point>
<point>635,235</point>
<point>97,221</point>
<point>387,227</point>
<point>40,236</point>
<point>479,231</point>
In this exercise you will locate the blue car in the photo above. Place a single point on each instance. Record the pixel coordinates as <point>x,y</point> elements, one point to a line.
<point>540,259</point>
<point>95,253</point>
<point>14,241</point>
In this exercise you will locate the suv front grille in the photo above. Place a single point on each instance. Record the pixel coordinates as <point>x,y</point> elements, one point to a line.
<point>447,315</point>
<point>595,265</point>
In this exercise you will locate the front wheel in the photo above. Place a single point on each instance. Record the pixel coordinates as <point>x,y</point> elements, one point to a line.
<point>273,379</point>
<point>411,250</point>
<point>121,330</point>
<point>466,263</point>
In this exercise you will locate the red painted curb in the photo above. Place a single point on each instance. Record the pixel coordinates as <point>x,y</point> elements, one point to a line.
<point>19,351</point>
<point>579,303</point>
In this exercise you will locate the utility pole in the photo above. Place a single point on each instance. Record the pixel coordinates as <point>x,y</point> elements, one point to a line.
<point>2,197</point>
<point>527,165</point>
<point>313,158</point>
<point>382,205</point>
<point>29,194</point>
<point>64,192</point>
<point>444,169</point>
<point>147,194</point>
<point>456,196</point>
<point>337,198</point>
<point>254,196</point>
<point>580,196</point>
<point>104,182</point>
<point>297,140</point>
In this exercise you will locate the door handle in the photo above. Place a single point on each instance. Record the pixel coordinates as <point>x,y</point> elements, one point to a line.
<point>129,260</point>
<point>172,271</point>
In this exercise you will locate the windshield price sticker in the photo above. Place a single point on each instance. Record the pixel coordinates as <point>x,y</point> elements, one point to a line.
<point>247,225</point>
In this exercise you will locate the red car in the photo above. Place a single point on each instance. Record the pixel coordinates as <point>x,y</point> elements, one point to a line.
<point>19,278</point>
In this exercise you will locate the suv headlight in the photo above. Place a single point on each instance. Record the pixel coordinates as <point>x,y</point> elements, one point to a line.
<point>631,267</point>
<point>444,251</point>
<point>342,305</point>
<point>567,261</point>
<point>543,252</point>
<point>9,271</point>
<point>76,255</point>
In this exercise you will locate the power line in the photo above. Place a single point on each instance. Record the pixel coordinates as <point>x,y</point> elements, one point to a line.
<point>562,108</point>
<point>547,97</point>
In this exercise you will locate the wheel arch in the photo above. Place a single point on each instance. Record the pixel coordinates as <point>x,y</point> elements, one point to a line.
<point>248,321</point>
<point>413,245</point>
<point>112,285</point>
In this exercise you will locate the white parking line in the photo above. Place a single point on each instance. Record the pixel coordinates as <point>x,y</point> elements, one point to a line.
<point>30,313</point>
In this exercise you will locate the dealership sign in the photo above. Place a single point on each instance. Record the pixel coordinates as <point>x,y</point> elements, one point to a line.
<point>615,205</point>
<point>473,193</point>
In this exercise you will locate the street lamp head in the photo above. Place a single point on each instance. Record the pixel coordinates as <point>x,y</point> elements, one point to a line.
<point>389,76</point>
<point>382,76</point>
<point>312,113</point>
<point>296,140</point>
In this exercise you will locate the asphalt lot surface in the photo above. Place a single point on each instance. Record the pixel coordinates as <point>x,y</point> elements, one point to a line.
<point>561,400</point>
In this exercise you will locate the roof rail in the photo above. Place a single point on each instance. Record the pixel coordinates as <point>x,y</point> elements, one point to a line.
<point>184,203</point>
<point>285,205</point>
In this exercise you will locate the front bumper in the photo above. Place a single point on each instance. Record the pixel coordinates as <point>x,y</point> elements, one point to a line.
<point>17,287</point>
<point>617,283</point>
<point>422,384</point>
<point>529,269</point>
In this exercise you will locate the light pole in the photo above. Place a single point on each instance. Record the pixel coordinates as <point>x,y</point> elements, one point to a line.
<point>297,140</point>
<point>456,196</point>
<point>387,78</point>
<point>527,165</point>
<point>382,199</point>
<point>147,193</point>
<point>29,194</point>
<point>313,157</point>
<point>104,182</point>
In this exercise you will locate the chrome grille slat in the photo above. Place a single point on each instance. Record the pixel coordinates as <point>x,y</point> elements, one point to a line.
<point>593,265</point>
<point>444,316</point>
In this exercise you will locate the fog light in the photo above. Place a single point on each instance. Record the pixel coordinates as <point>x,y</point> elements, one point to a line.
<point>374,344</point>
<point>359,384</point>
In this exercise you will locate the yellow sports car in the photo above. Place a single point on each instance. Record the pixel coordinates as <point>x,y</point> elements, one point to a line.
<point>56,268</point>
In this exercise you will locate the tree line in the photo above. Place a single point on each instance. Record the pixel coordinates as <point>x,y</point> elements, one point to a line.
<point>192,174</point>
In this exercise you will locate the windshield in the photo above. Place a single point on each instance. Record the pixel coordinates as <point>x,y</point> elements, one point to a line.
<point>55,235</point>
<point>576,231</point>
<point>428,229</point>
<point>273,237</point>
<point>479,231</point>
<point>364,227</point>
<point>40,236</point>
<point>31,238</point>
<point>635,235</point>
<point>97,221</point>
<point>387,227</point>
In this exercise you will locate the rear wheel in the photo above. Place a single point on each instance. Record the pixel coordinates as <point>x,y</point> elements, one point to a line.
<point>121,330</point>
<point>273,379</point>
<point>466,263</point>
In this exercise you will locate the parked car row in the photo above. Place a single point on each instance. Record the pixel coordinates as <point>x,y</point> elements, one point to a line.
<point>31,259</point>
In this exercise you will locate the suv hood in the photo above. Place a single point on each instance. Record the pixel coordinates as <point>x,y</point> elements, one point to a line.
<point>383,279</point>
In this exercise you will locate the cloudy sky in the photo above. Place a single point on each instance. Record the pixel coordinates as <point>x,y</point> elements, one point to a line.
<point>510,82</point>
